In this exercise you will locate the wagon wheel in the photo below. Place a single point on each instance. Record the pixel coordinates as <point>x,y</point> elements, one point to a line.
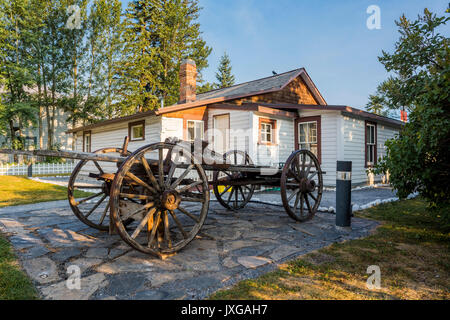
<point>173,196</point>
<point>301,185</point>
<point>233,197</point>
<point>93,210</point>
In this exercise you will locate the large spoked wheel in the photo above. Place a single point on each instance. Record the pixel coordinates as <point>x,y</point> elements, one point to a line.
<point>233,197</point>
<point>93,177</point>
<point>166,193</point>
<point>301,185</point>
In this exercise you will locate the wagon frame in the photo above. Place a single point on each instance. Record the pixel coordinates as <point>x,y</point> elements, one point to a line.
<point>159,195</point>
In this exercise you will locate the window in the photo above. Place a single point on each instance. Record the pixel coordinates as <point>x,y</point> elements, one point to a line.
<point>195,130</point>
<point>308,136</point>
<point>87,142</point>
<point>371,144</point>
<point>136,131</point>
<point>267,128</point>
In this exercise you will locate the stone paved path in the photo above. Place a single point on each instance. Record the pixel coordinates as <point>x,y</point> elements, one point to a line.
<point>231,246</point>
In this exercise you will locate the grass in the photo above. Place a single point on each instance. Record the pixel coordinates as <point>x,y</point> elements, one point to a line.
<point>20,190</point>
<point>411,247</point>
<point>14,284</point>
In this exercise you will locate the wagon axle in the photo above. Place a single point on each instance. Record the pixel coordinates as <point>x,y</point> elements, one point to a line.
<point>157,198</point>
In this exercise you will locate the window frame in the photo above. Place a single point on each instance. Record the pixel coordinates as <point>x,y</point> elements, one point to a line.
<point>87,133</point>
<point>318,121</point>
<point>202,131</point>
<point>374,144</point>
<point>135,124</point>
<point>273,124</point>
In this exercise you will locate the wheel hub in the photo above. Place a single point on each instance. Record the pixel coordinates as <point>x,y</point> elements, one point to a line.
<point>307,185</point>
<point>170,199</point>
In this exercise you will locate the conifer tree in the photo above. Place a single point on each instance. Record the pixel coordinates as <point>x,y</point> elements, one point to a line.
<point>158,35</point>
<point>224,76</point>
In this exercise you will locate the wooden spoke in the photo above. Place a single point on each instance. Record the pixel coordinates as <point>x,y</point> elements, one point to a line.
<point>166,230</point>
<point>309,169</point>
<point>293,194</point>
<point>183,175</point>
<point>242,192</point>
<point>190,215</point>
<point>312,196</point>
<point>160,167</point>
<point>96,206</point>
<point>312,175</point>
<point>230,196</point>
<point>307,204</point>
<point>188,187</point>
<point>299,194</point>
<point>236,196</point>
<point>178,223</point>
<point>154,228</point>
<point>130,214</point>
<point>88,198</point>
<point>102,218</point>
<point>301,204</point>
<point>150,173</point>
<point>143,223</point>
<point>303,162</point>
<point>135,196</point>
<point>294,175</point>
<point>140,182</point>
<point>192,199</point>
<point>98,167</point>
<point>171,172</point>
<point>225,190</point>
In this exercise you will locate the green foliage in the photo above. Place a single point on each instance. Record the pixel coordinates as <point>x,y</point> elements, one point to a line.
<point>158,35</point>
<point>224,75</point>
<point>419,159</point>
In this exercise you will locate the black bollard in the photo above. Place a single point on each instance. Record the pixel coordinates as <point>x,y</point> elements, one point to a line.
<point>343,193</point>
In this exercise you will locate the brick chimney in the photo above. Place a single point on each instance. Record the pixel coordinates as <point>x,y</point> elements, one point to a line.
<point>188,81</point>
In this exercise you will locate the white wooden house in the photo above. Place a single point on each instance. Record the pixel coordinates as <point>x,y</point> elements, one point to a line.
<point>269,117</point>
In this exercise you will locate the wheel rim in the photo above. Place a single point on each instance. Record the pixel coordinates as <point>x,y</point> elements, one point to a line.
<point>232,197</point>
<point>301,185</point>
<point>173,195</point>
<point>92,210</point>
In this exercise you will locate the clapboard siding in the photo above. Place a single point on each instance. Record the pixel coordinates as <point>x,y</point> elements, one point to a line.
<point>112,136</point>
<point>171,128</point>
<point>273,155</point>
<point>240,138</point>
<point>354,145</point>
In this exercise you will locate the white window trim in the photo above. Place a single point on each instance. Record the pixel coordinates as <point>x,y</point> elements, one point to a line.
<point>132,132</point>
<point>202,131</point>
<point>265,133</point>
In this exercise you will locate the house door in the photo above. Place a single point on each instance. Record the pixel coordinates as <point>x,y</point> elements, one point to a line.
<point>221,133</point>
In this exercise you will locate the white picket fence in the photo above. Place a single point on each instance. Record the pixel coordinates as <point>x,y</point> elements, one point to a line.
<point>38,169</point>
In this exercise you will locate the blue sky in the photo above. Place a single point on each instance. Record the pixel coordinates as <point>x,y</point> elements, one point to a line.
<point>329,38</point>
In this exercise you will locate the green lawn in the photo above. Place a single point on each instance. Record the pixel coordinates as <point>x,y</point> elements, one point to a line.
<point>20,190</point>
<point>411,247</point>
<point>14,283</point>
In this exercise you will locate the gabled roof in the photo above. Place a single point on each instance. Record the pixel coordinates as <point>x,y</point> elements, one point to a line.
<point>265,85</point>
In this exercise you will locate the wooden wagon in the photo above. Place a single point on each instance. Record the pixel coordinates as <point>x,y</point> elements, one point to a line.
<point>157,198</point>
